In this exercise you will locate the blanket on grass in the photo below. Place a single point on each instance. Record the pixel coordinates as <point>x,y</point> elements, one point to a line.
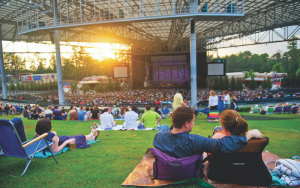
<point>120,128</point>
<point>48,153</point>
<point>142,175</point>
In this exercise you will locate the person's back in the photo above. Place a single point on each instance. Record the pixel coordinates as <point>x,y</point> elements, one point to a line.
<point>149,118</point>
<point>106,119</point>
<point>81,114</point>
<point>178,100</point>
<point>130,120</point>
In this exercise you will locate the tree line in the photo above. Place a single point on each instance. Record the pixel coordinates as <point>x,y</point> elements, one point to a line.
<point>78,66</point>
<point>288,62</point>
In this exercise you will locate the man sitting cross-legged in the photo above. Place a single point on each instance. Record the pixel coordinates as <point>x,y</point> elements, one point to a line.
<point>149,118</point>
<point>106,119</point>
<point>58,114</point>
<point>131,119</point>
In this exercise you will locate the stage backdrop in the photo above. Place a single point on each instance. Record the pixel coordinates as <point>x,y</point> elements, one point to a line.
<point>144,69</point>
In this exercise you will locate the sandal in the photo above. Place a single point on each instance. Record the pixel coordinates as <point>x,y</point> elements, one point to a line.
<point>96,135</point>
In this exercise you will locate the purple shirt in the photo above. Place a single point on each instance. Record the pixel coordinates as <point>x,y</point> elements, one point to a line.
<point>57,113</point>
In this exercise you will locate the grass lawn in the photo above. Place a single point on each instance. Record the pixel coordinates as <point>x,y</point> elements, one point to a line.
<point>109,162</point>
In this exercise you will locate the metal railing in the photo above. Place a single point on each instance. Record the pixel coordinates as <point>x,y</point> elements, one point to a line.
<point>40,15</point>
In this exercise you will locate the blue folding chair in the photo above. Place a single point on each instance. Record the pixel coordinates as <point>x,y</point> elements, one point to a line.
<point>286,109</point>
<point>12,145</point>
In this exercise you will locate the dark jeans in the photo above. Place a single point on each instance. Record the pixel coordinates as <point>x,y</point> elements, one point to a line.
<point>227,106</point>
<point>18,123</point>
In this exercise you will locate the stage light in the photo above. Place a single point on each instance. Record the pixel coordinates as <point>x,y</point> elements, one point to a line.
<point>7,3</point>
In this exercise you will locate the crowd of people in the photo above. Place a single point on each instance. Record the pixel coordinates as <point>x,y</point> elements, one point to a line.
<point>150,96</point>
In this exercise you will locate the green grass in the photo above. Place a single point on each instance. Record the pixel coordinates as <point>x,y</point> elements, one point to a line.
<point>109,162</point>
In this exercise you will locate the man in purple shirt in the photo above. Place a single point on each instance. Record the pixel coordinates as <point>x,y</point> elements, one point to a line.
<point>58,114</point>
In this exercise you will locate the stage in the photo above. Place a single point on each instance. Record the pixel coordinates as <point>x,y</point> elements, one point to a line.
<point>167,71</point>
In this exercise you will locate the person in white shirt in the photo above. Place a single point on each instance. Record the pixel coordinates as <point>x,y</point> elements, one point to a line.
<point>131,119</point>
<point>106,119</point>
<point>226,99</point>
<point>213,101</point>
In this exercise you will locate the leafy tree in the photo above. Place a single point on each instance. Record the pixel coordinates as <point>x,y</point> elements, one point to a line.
<point>110,85</point>
<point>269,83</point>
<point>246,75</point>
<point>117,85</point>
<point>221,83</point>
<point>233,85</point>
<point>98,88</point>
<point>264,85</point>
<point>240,85</point>
<point>293,53</point>
<point>278,68</point>
<point>252,73</point>
<point>252,84</point>
<point>85,87</point>
<point>216,83</point>
<point>226,83</point>
<point>12,86</point>
<point>73,87</point>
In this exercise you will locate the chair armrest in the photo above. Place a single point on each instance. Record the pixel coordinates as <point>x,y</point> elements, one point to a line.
<point>34,140</point>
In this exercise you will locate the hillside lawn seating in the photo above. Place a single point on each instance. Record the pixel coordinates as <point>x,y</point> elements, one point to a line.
<point>12,145</point>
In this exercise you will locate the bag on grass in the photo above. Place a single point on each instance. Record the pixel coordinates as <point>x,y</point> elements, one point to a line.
<point>175,169</point>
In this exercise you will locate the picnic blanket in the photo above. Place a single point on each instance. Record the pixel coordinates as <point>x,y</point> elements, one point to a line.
<point>289,170</point>
<point>120,119</point>
<point>142,175</point>
<point>48,153</point>
<point>120,128</point>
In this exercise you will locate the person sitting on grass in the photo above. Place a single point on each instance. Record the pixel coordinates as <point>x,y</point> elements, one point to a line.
<point>35,115</point>
<point>25,112</point>
<point>81,114</point>
<point>165,110</point>
<point>131,119</point>
<point>179,143</point>
<point>73,113</point>
<point>278,106</point>
<point>149,118</point>
<point>95,113</point>
<point>44,126</point>
<point>58,115</point>
<point>106,119</point>
<point>263,111</point>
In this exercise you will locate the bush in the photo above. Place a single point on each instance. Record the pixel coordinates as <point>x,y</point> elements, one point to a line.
<point>244,109</point>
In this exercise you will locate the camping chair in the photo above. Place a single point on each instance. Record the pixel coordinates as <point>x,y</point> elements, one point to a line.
<point>256,110</point>
<point>286,109</point>
<point>278,110</point>
<point>12,145</point>
<point>294,110</point>
<point>213,114</point>
<point>270,111</point>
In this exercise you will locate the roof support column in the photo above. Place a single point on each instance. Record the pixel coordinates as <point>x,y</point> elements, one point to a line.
<point>193,64</point>
<point>3,80</point>
<point>58,58</point>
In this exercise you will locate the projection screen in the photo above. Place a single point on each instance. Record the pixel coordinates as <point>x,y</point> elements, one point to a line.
<point>120,72</point>
<point>216,69</point>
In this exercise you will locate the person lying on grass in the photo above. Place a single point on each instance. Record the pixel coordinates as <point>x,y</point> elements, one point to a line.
<point>179,143</point>
<point>44,126</point>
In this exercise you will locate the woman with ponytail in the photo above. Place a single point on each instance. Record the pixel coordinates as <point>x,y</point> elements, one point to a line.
<point>232,124</point>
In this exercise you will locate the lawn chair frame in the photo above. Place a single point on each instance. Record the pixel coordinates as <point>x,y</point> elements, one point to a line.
<point>29,142</point>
